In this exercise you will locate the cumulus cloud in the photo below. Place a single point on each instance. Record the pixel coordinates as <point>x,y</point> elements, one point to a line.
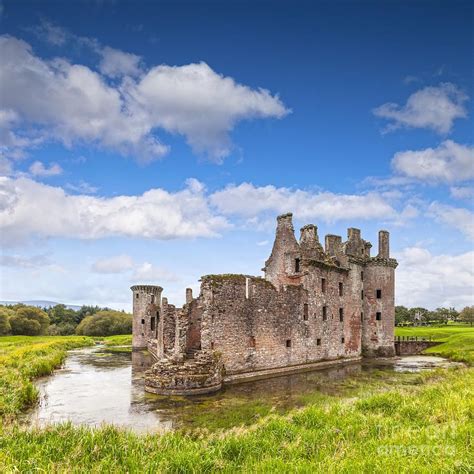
<point>115,264</point>
<point>247,200</point>
<point>71,103</point>
<point>38,169</point>
<point>19,261</point>
<point>432,281</point>
<point>29,208</point>
<point>462,192</point>
<point>147,272</point>
<point>178,98</point>
<point>116,63</point>
<point>449,162</point>
<point>456,217</point>
<point>435,107</point>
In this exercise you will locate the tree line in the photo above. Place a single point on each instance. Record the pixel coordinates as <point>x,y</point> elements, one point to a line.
<point>20,319</point>
<point>422,317</point>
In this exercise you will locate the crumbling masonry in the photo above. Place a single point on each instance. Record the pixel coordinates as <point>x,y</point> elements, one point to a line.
<point>315,306</point>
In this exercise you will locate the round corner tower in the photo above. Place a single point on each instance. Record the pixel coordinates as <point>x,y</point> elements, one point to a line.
<point>146,314</point>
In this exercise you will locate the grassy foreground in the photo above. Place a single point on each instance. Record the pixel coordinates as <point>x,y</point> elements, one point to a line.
<point>422,427</point>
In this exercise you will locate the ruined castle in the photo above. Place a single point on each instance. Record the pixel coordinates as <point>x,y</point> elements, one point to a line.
<point>314,307</point>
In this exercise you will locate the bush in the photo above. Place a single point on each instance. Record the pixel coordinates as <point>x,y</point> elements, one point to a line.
<point>29,321</point>
<point>5,315</point>
<point>105,323</point>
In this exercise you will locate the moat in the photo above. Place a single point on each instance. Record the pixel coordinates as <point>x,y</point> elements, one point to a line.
<point>97,387</point>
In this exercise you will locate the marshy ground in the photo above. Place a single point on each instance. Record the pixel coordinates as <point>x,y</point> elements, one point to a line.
<point>364,419</point>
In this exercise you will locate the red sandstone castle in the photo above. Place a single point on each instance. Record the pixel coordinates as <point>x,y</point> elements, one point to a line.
<point>315,306</point>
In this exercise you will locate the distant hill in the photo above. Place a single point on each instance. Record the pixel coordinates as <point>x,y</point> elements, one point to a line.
<point>42,304</point>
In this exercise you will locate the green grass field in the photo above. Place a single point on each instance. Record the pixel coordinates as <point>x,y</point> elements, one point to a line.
<point>427,426</point>
<point>457,341</point>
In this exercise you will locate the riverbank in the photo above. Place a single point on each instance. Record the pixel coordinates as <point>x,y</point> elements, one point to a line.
<point>422,422</point>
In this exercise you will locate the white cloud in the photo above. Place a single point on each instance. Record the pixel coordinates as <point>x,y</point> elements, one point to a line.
<point>115,264</point>
<point>449,162</point>
<point>82,187</point>
<point>71,103</point>
<point>37,261</point>
<point>51,33</point>
<point>432,281</point>
<point>456,217</point>
<point>462,192</point>
<point>247,200</point>
<point>149,273</point>
<point>116,63</point>
<point>178,98</point>
<point>29,208</point>
<point>435,108</point>
<point>38,169</point>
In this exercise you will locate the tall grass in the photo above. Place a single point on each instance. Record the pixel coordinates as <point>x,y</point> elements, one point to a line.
<point>24,358</point>
<point>425,429</point>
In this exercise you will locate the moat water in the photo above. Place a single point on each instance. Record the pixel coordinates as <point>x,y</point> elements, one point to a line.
<point>96,387</point>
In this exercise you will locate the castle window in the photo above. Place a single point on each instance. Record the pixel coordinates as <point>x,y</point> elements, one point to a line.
<point>288,343</point>
<point>252,341</point>
<point>341,289</point>
<point>361,316</point>
<point>297,265</point>
<point>143,321</point>
<point>157,316</point>
<point>152,299</point>
<point>325,313</point>
<point>323,285</point>
<point>342,340</point>
<point>362,294</point>
<point>152,323</point>
<point>378,316</point>
<point>305,311</point>
<point>212,345</point>
<point>318,342</point>
<point>379,294</point>
<point>341,314</point>
<point>137,295</point>
<point>362,276</point>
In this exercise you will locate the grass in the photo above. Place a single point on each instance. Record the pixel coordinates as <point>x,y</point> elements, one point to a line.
<point>457,341</point>
<point>426,428</point>
<point>425,424</point>
<point>24,358</point>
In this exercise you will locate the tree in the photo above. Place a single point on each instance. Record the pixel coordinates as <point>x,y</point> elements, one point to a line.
<point>105,323</point>
<point>59,314</point>
<point>402,315</point>
<point>5,315</point>
<point>30,321</point>
<point>440,315</point>
<point>467,315</point>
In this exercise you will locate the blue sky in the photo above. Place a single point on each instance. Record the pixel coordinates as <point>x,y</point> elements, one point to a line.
<point>157,141</point>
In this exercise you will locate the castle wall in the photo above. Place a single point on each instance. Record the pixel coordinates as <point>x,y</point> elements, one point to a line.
<point>256,327</point>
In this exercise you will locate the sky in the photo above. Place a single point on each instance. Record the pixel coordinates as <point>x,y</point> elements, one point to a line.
<point>155,142</point>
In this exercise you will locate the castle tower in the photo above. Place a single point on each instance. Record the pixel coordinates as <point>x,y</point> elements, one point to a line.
<point>379,302</point>
<point>146,314</point>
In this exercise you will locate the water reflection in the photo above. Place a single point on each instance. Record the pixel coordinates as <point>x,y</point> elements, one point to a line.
<point>97,387</point>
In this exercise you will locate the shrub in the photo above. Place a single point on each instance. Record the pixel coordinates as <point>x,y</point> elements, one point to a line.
<point>105,323</point>
<point>29,321</point>
<point>5,315</point>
